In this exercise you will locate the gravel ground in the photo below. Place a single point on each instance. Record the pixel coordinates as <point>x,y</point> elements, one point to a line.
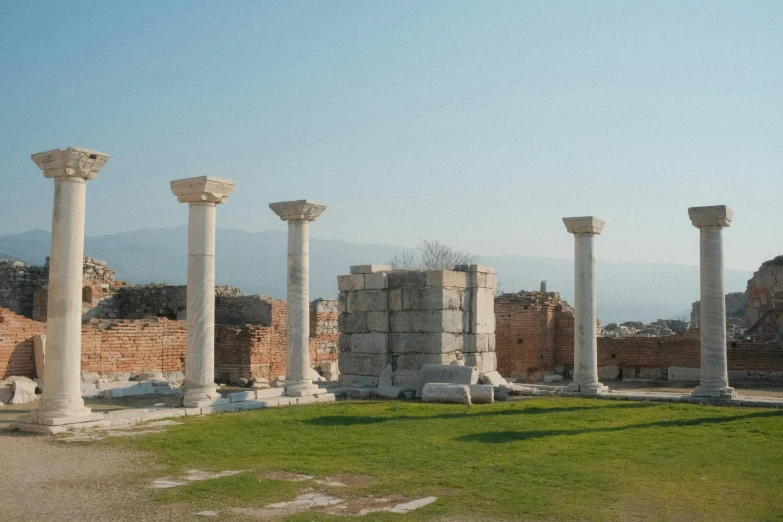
<point>48,480</point>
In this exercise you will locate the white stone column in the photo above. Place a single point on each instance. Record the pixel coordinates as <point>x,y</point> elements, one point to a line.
<point>61,401</point>
<point>585,342</point>
<point>202,194</point>
<point>299,214</point>
<point>712,311</point>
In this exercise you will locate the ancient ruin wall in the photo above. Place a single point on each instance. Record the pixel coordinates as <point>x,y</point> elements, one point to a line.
<point>526,331</point>
<point>764,310</point>
<point>17,355</point>
<point>122,346</point>
<point>18,284</point>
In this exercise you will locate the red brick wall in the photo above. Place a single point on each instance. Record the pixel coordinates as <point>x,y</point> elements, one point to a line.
<point>112,346</point>
<point>17,355</point>
<point>548,341</point>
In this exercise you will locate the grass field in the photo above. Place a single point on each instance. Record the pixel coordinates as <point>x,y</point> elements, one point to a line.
<point>543,459</point>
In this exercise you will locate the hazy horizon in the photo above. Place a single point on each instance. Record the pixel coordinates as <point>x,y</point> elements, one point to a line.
<point>477,124</point>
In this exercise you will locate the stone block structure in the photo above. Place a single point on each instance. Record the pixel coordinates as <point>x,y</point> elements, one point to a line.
<point>411,318</point>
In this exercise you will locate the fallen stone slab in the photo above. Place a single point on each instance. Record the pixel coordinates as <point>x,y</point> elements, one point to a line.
<point>482,393</point>
<point>444,373</point>
<point>552,378</point>
<point>493,378</point>
<point>24,392</point>
<point>446,393</point>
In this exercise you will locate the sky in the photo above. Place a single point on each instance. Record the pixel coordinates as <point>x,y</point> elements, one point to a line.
<point>480,124</point>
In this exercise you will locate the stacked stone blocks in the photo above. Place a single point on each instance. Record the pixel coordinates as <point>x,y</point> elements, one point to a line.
<point>411,318</point>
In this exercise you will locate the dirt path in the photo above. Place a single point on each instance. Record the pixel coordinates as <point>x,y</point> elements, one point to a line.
<point>48,480</point>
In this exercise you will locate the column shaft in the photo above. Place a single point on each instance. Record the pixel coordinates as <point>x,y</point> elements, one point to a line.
<point>62,372</point>
<point>585,343</point>
<point>298,307</point>
<point>712,320</point>
<point>200,341</point>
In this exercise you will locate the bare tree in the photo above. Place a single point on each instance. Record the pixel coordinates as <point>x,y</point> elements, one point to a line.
<point>406,260</point>
<point>433,255</point>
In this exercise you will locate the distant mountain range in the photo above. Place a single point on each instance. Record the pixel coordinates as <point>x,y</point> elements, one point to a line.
<point>256,263</point>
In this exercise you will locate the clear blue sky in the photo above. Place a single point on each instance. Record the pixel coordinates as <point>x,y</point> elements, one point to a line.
<point>477,123</point>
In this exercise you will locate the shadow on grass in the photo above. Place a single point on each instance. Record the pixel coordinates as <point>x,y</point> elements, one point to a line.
<point>503,437</point>
<point>354,420</point>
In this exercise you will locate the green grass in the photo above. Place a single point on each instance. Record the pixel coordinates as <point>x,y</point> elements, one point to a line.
<point>544,459</point>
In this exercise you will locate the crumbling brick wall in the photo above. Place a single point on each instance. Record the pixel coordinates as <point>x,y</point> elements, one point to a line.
<point>132,346</point>
<point>764,309</point>
<point>17,355</point>
<point>527,327</point>
<point>252,350</point>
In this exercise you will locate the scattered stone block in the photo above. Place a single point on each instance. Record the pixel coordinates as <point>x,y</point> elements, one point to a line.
<point>482,393</point>
<point>446,393</point>
<point>438,373</point>
<point>406,379</point>
<point>493,378</point>
<point>552,378</point>
<point>90,390</point>
<point>24,392</point>
<point>278,382</point>
<point>91,377</point>
<point>357,381</point>
<point>501,393</point>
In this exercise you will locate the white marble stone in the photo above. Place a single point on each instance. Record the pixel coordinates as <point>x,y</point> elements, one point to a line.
<point>298,214</point>
<point>70,169</point>
<point>202,195</point>
<point>712,323</point>
<point>446,393</point>
<point>585,343</point>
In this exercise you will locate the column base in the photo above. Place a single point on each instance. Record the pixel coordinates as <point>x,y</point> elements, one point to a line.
<point>54,421</point>
<point>587,389</point>
<point>202,396</point>
<point>714,391</point>
<point>300,388</point>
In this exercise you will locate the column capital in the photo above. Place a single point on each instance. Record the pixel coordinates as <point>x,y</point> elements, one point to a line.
<point>584,225</point>
<point>714,216</point>
<point>300,210</point>
<point>73,162</point>
<point>203,189</point>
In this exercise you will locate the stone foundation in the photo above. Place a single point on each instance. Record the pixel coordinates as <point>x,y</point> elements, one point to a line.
<point>411,318</point>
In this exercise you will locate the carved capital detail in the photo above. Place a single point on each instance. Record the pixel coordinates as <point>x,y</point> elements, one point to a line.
<point>204,189</point>
<point>584,225</point>
<point>714,216</point>
<point>73,162</point>
<point>300,210</point>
